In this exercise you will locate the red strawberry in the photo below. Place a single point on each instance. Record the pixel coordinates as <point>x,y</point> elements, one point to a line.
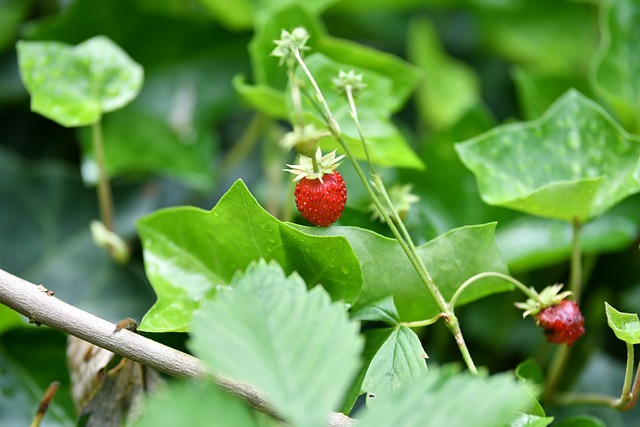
<point>320,190</point>
<point>562,322</point>
<point>321,202</point>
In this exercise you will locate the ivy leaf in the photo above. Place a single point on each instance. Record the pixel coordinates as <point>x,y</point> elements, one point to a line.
<point>574,162</point>
<point>194,404</point>
<point>189,252</point>
<point>75,85</point>
<point>626,326</point>
<point>386,145</point>
<point>617,60</point>
<point>258,332</point>
<point>399,359</point>
<point>438,400</point>
<point>451,259</point>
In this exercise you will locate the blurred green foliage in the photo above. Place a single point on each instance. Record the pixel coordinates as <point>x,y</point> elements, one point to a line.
<point>445,71</point>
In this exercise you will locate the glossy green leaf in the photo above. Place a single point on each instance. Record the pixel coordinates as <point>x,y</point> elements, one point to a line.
<point>194,404</point>
<point>189,251</point>
<point>549,241</point>
<point>258,332</point>
<point>616,64</point>
<point>436,400</point>
<point>400,359</point>
<point>450,87</point>
<point>47,222</point>
<point>574,162</point>
<point>626,326</point>
<point>386,145</point>
<point>530,370</point>
<point>383,310</point>
<point>75,85</point>
<point>451,259</point>
<point>9,318</point>
<point>31,359</point>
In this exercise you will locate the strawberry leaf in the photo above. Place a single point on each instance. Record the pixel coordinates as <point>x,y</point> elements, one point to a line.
<point>383,310</point>
<point>451,259</point>
<point>626,326</point>
<point>258,331</point>
<point>189,251</point>
<point>439,399</point>
<point>399,359</point>
<point>75,85</point>
<point>574,162</point>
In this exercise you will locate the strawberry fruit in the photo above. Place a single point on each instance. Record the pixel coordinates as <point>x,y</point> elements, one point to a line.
<point>320,192</point>
<point>321,201</point>
<point>562,322</point>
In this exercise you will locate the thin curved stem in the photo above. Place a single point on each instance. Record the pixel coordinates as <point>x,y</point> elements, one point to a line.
<point>420,323</point>
<point>527,291</point>
<point>105,200</point>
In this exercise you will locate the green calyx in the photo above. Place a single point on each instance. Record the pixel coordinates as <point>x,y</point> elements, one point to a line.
<point>326,165</point>
<point>549,296</point>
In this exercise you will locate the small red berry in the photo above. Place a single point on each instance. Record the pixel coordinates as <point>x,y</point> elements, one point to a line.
<point>563,322</point>
<point>321,201</point>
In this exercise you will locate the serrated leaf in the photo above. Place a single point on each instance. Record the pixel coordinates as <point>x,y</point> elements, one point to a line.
<point>450,87</point>
<point>451,259</point>
<point>189,251</point>
<point>400,359</point>
<point>435,400</point>
<point>574,162</point>
<point>383,310</point>
<point>616,64</point>
<point>626,326</point>
<point>386,145</point>
<point>194,404</point>
<point>75,85</point>
<point>258,332</point>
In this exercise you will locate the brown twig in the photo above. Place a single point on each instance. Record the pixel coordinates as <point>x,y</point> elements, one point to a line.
<point>42,307</point>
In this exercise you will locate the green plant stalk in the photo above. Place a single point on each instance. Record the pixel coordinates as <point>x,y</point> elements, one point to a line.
<point>245,143</point>
<point>625,402</point>
<point>575,284</point>
<point>420,323</point>
<point>561,356</point>
<point>635,391</point>
<point>527,291</point>
<point>450,318</point>
<point>105,199</point>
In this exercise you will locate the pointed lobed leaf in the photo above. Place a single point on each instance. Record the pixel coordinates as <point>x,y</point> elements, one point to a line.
<point>626,326</point>
<point>616,64</point>
<point>294,345</point>
<point>575,162</point>
<point>399,359</point>
<point>437,400</point>
<point>75,85</point>
<point>189,251</point>
<point>451,259</point>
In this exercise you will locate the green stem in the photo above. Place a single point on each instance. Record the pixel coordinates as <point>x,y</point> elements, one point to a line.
<point>561,355</point>
<point>245,144</point>
<point>635,391</point>
<point>575,283</point>
<point>420,323</point>
<point>625,395</point>
<point>590,399</point>
<point>527,291</point>
<point>105,200</point>
<point>407,245</point>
